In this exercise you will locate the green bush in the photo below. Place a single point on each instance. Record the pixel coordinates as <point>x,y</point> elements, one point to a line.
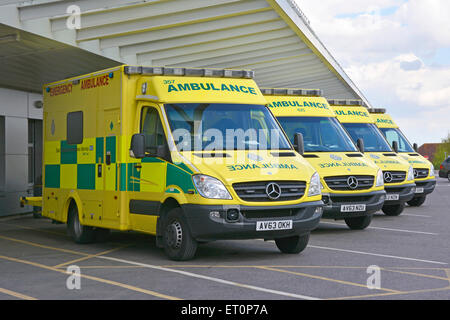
<point>439,156</point>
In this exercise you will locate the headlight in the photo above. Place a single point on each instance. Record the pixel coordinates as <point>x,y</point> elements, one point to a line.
<point>314,185</point>
<point>210,187</point>
<point>410,174</point>
<point>380,179</point>
<point>431,170</point>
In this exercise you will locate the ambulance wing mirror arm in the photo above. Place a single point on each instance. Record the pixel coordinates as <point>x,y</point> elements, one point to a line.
<point>137,148</point>
<point>299,144</point>
<point>360,145</point>
<point>395,146</point>
<point>416,147</point>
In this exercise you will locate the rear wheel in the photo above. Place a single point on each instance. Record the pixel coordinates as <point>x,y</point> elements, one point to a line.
<point>295,244</point>
<point>393,210</point>
<point>359,223</point>
<point>78,232</point>
<point>417,202</point>
<point>177,240</point>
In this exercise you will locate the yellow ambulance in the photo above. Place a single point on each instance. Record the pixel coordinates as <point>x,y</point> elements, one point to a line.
<point>397,172</point>
<point>187,155</point>
<point>424,176</point>
<point>352,185</point>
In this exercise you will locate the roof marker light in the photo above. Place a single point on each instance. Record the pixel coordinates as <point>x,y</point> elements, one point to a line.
<point>291,92</point>
<point>192,72</point>
<point>347,102</point>
<point>377,110</point>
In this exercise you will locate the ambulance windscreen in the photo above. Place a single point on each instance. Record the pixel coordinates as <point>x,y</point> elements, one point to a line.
<point>218,126</point>
<point>374,140</point>
<point>394,134</point>
<point>320,134</point>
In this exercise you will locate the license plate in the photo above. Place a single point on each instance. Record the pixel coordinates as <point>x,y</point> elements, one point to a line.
<point>274,225</point>
<point>353,207</point>
<point>419,190</point>
<point>391,196</point>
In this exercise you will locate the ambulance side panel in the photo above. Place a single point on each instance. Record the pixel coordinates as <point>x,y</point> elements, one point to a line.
<point>84,170</point>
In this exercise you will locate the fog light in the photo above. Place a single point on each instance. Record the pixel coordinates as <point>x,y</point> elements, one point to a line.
<point>233,215</point>
<point>318,210</point>
<point>382,197</point>
<point>214,214</point>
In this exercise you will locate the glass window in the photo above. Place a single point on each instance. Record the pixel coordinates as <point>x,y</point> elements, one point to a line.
<point>75,127</point>
<point>320,134</point>
<point>374,140</point>
<point>218,126</point>
<point>152,128</point>
<point>394,134</point>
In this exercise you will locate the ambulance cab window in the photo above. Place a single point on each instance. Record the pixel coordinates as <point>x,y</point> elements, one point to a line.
<point>152,128</point>
<point>393,134</point>
<point>75,127</point>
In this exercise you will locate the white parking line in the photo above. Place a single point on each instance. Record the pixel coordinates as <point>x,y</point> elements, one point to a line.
<point>377,255</point>
<point>388,229</point>
<point>193,275</point>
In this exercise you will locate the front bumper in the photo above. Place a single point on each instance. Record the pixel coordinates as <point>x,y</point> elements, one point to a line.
<point>406,192</point>
<point>209,222</point>
<point>332,210</point>
<point>427,185</point>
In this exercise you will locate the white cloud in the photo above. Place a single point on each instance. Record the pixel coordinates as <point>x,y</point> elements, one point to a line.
<point>382,44</point>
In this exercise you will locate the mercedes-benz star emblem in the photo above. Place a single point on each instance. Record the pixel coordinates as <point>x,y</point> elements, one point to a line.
<point>273,190</point>
<point>352,182</point>
<point>388,177</point>
<point>416,173</point>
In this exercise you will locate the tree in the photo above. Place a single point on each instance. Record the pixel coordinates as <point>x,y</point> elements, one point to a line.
<point>441,150</point>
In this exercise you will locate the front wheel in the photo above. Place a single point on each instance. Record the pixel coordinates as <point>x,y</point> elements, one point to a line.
<point>393,210</point>
<point>417,202</point>
<point>178,243</point>
<point>448,176</point>
<point>294,244</point>
<point>359,223</point>
<point>78,232</point>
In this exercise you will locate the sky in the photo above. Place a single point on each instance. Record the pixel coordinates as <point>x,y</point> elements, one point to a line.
<point>397,52</point>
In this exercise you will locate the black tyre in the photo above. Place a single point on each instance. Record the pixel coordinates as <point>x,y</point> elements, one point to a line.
<point>177,240</point>
<point>295,244</point>
<point>359,223</point>
<point>448,176</point>
<point>417,202</point>
<point>78,232</point>
<point>393,210</point>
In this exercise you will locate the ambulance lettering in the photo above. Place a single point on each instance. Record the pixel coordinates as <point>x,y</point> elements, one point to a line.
<point>239,167</point>
<point>352,113</point>
<point>95,82</point>
<point>277,104</point>
<point>210,87</point>
<point>385,121</point>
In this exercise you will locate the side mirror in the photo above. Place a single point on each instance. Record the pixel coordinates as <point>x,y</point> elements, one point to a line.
<point>360,145</point>
<point>137,148</point>
<point>162,151</point>
<point>416,147</point>
<point>299,144</point>
<point>395,146</point>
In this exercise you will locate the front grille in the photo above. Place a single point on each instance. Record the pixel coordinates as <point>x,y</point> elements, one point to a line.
<point>396,176</point>
<point>421,173</point>
<point>340,183</point>
<point>256,214</point>
<point>351,199</point>
<point>256,191</point>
